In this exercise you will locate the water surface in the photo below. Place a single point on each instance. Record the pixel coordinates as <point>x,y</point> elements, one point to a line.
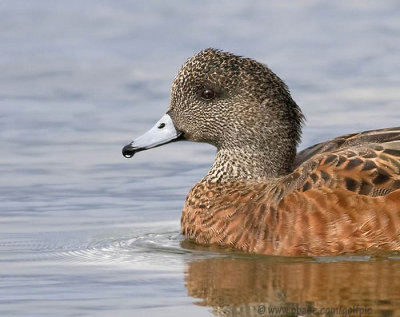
<point>84,231</point>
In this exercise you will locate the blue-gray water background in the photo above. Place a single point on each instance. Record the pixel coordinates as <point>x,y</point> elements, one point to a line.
<point>84,231</point>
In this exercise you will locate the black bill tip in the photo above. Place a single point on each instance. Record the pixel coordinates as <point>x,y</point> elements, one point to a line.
<point>128,150</point>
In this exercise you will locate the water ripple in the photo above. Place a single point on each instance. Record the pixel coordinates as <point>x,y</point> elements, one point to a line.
<point>98,248</point>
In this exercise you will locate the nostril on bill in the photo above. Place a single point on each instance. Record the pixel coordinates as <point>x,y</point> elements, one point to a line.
<point>161,125</point>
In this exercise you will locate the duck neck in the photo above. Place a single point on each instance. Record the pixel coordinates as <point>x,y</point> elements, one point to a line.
<point>245,164</point>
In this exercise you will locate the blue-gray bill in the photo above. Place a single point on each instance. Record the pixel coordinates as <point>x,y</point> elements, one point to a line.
<point>161,133</point>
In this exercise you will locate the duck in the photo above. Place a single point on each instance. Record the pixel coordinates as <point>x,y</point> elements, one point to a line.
<point>260,195</point>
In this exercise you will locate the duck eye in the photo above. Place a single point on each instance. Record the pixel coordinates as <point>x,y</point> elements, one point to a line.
<point>208,94</point>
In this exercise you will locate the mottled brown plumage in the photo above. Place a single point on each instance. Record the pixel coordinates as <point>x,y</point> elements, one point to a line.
<point>344,197</point>
<point>259,196</point>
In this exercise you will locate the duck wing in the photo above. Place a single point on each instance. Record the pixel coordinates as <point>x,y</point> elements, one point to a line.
<point>347,141</point>
<point>344,196</point>
<point>367,163</point>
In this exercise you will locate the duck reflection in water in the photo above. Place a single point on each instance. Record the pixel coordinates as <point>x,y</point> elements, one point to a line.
<point>245,285</point>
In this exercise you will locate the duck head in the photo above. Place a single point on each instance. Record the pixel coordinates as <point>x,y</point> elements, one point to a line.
<point>236,104</point>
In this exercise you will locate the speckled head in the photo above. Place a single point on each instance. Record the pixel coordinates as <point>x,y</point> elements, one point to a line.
<point>227,100</point>
<point>240,106</point>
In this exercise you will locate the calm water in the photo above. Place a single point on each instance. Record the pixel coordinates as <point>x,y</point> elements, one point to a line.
<point>84,231</point>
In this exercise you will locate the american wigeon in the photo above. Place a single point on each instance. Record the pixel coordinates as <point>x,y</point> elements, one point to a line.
<point>259,195</point>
